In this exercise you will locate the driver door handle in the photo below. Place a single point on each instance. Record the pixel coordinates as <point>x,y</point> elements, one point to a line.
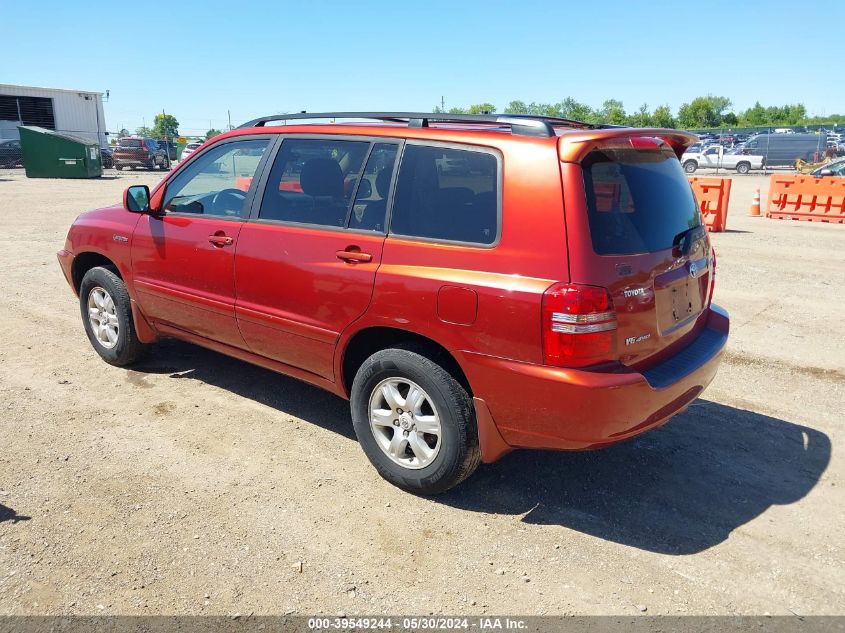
<point>353,255</point>
<point>220,239</point>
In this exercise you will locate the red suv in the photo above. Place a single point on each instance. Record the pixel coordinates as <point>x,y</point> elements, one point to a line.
<point>473,284</point>
<point>135,151</point>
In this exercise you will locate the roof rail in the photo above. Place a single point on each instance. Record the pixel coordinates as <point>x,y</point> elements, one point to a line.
<point>521,124</point>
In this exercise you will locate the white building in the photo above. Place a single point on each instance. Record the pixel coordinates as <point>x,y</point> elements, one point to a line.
<point>77,112</point>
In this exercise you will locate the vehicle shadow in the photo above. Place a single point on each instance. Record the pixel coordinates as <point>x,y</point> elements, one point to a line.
<point>678,490</point>
<point>184,361</point>
<point>7,514</point>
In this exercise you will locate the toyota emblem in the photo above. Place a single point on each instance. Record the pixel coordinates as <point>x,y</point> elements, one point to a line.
<point>693,270</point>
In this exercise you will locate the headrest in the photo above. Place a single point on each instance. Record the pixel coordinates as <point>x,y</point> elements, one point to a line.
<point>322,177</point>
<point>383,182</point>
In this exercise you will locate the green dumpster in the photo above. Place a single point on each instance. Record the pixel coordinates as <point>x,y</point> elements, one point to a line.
<point>49,154</point>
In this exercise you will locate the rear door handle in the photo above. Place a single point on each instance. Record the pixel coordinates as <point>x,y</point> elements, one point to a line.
<point>353,255</point>
<point>220,239</point>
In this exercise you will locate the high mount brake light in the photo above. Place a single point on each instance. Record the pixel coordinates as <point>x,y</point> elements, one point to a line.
<point>579,325</point>
<point>646,142</point>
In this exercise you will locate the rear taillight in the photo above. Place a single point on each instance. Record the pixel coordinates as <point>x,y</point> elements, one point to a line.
<point>579,325</point>
<point>712,276</point>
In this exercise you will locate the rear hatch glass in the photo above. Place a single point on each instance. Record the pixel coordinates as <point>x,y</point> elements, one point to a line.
<point>638,200</point>
<point>129,142</point>
<point>650,248</point>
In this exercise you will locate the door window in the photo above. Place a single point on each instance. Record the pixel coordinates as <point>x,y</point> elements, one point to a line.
<point>370,207</point>
<point>313,181</point>
<point>217,182</point>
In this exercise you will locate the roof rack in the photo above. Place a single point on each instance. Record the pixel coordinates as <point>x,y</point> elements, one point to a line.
<point>520,124</point>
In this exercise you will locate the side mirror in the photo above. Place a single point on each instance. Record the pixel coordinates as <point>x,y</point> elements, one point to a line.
<point>136,199</point>
<point>826,172</point>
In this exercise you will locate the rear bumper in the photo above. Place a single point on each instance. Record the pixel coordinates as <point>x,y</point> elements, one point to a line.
<point>133,161</point>
<point>535,406</point>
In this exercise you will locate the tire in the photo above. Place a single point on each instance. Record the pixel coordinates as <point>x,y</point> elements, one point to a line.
<point>124,348</point>
<point>743,168</point>
<point>690,166</point>
<point>456,453</point>
<point>165,166</point>
<point>118,167</point>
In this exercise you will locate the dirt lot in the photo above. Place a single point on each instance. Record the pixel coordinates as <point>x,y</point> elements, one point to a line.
<point>199,484</point>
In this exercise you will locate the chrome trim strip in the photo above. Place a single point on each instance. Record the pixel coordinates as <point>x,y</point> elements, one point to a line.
<point>566,328</point>
<point>561,317</point>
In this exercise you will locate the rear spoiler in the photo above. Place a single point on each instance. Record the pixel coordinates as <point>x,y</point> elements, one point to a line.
<point>574,146</point>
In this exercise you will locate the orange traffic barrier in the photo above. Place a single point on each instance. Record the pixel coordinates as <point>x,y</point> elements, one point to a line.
<point>712,195</point>
<point>806,198</point>
<point>755,205</point>
<point>243,182</point>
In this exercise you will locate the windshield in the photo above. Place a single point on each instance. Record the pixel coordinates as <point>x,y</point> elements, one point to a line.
<point>638,201</point>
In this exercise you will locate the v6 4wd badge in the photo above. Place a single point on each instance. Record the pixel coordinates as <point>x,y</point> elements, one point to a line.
<point>637,339</point>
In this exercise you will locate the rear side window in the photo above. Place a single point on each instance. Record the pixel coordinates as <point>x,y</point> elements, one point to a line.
<point>370,206</point>
<point>447,194</point>
<point>638,201</point>
<point>313,180</point>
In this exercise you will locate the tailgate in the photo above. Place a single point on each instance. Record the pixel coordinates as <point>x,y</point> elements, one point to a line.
<point>635,229</point>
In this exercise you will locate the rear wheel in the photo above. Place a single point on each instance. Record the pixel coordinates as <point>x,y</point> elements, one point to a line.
<point>107,316</point>
<point>118,167</point>
<point>743,168</point>
<point>690,166</point>
<point>414,421</point>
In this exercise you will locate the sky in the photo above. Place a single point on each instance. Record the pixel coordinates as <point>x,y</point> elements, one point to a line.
<point>201,61</point>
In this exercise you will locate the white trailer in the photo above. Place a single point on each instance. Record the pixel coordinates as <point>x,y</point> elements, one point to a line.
<point>78,112</point>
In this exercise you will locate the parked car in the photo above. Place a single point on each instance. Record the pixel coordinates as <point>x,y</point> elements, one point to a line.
<point>562,303</point>
<point>190,148</point>
<point>782,150</point>
<point>169,148</point>
<point>833,168</point>
<point>106,157</point>
<point>10,153</point>
<point>136,151</point>
<point>715,156</point>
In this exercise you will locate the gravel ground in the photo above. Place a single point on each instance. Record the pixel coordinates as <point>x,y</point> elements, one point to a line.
<point>197,484</point>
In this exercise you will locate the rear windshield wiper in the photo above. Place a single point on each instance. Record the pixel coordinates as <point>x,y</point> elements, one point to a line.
<point>683,242</point>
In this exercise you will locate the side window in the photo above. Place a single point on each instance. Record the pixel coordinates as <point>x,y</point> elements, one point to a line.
<point>447,194</point>
<point>312,181</point>
<point>370,207</point>
<point>217,182</point>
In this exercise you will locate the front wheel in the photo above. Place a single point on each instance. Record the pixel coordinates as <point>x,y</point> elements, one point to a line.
<point>743,168</point>
<point>414,421</point>
<point>690,166</point>
<point>107,316</point>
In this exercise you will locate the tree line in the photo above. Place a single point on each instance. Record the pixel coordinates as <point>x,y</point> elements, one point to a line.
<point>165,126</point>
<point>702,112</point>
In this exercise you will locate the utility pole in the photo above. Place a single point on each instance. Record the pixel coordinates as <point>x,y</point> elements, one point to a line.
<point>442,104</point>
<point>229,112</point>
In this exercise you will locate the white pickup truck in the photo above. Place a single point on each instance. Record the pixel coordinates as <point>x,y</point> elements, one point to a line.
<point>715,156</point>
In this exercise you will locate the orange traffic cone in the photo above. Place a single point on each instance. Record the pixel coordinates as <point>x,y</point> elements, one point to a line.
<point>755,205</point>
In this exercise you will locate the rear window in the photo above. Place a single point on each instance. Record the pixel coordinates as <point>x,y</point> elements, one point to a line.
<point>638,201</point>
<point>130,142</point>
<point>447,194</point>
